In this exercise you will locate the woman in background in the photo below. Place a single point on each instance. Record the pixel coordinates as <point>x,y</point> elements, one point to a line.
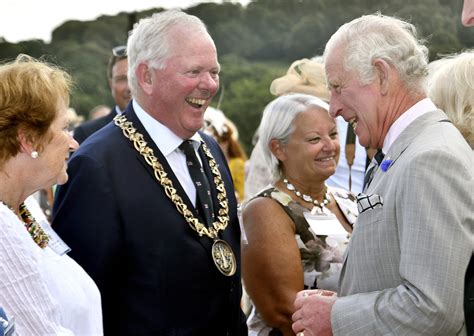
<point>451,87</point>
<point>43,289</point>
<point>225,133</point>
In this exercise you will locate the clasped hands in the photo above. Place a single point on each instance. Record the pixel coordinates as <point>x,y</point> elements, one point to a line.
<point>312,315</point>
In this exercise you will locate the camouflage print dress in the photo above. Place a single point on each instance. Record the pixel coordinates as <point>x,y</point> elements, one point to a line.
<point>321,256</point>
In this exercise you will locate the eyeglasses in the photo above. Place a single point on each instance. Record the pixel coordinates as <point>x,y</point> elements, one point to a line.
<point>120,51</point>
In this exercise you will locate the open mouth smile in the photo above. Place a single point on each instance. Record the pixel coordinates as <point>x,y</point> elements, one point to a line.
<point>196,102</point>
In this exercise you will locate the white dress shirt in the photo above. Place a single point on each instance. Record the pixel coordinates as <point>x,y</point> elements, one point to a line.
<point>417,110</point>
<point>168,143</point>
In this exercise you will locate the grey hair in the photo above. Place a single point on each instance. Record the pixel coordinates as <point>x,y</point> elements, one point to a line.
<point>388,38</point>
<point>277,123</point>
<point>150,40</point>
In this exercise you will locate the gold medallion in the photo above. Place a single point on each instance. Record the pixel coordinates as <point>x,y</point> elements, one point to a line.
<point>224,257</point>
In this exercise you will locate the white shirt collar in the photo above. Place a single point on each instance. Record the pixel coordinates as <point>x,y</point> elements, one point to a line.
<point>118,110</point>
<point>162,136</point>
<point>417,110</point>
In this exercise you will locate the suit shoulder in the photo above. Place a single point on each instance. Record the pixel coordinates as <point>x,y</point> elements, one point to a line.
<point>91,126</point>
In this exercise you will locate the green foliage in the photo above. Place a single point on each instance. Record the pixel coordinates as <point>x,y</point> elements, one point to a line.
<point>255,44</point>
<point>245,93</point>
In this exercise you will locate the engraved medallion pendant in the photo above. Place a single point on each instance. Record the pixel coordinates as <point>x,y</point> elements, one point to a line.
<point>224,257</point>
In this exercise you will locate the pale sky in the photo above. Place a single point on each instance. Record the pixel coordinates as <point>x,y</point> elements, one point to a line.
<point>22,20</point>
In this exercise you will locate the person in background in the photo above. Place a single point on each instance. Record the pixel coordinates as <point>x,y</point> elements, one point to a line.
<point>307,76</point>
<point>99,111</point>
<point>224,131</point>
<point>467,16</point>
<point>73,118</point>
<point>408,254</point>
<point>451,87</point>
<point>149,210</point>
<point>288,248</point>
<point>45,291</point>
<point>117,75</point>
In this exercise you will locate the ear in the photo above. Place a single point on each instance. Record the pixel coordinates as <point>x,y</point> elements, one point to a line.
<point>144,78</point>
<point>278,149</point>
<point>26,144</point>
<point>384,74</point>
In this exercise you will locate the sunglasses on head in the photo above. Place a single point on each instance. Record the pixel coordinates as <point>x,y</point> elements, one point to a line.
<point>120,51</point>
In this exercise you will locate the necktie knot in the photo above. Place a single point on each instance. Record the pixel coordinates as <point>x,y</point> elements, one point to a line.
<point>379,155</point>
<point>187,147</point>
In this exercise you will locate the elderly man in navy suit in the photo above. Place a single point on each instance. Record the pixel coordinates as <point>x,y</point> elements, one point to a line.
<point>149,211</point>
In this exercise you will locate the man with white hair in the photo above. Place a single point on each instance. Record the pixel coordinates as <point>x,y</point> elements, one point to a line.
<point>149,211</point>
<point>405,264</point>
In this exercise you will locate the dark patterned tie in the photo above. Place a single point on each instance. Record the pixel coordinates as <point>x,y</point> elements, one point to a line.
<point>350,151</point>
<point>200,180</point>
<point>378,157</point>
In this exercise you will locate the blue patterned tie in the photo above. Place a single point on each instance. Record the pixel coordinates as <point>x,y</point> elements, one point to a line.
<point>199,178</point>
<point>378,157</point>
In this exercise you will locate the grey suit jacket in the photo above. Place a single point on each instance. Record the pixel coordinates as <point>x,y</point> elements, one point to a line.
<point>405,265</point>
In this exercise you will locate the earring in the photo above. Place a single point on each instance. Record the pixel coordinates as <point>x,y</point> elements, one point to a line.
<point>34,154</point>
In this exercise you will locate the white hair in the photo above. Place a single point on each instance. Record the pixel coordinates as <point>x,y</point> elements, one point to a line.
<point>391,39</point>
<point>277,123</point>
<point>150,40</point>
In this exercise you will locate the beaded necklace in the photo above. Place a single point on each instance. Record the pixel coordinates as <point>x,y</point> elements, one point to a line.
<point>34,229</point>
<point>307,198</point>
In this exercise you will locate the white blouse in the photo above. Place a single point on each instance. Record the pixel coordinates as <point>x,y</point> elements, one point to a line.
<point>46,294</point>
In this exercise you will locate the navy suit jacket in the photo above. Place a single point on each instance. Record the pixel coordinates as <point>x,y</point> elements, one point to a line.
<point>86,129</point>
<point>155,274</point>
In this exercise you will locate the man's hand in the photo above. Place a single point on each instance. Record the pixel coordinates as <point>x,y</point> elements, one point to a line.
<point>312,315</point>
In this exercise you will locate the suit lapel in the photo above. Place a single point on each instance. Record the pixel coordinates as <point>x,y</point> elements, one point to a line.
<point>132,117</point>
<point>406,138</point>
<point>398,148</point>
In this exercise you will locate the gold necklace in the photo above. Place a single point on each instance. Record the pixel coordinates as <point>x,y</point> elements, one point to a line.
<point>222,253</point>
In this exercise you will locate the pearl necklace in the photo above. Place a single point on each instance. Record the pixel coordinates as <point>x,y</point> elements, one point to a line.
<point>308,198</point>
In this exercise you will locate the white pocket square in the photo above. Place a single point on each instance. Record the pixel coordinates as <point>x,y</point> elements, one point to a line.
<point>368,202</point>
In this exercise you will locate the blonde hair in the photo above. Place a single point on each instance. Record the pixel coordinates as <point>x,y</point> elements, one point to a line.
<point>30,91</point>
<point>451,87</point>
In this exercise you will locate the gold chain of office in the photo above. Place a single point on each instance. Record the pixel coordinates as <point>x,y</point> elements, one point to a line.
<point>141,146</point>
